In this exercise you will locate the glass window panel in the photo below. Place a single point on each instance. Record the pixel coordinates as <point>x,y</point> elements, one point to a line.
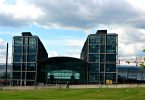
<point>16,66</point>
<point>25,49</point>
<point>111,39</point>
<point>101,67</point>
<point>103,39</point>
<point>16,75</point>
<point>63,74</point>
<point>31,75</point>
<point>31,58</point>
<point>25,40</point>
<point>31,67</point>
<point>111,48</point>
<point>95,40</point>
<point>102,48</point>
<point>17,58</point>
<point>76,76</point>
<point>102,57</point>
<point>93,57</point>
<point>24,66</point>
<point>111,58</point>
<point>24,58</point>
<point>94,49</point>
<point>93,77</point>
<point>110,67</point>
<point>17,49</point>
<point>93,67</point>
<point>102,77</point>
<point>32,41</point>
<point>23,75</point>
<point>92,40</point>
<point>18,41</point>
<point>32,49</point>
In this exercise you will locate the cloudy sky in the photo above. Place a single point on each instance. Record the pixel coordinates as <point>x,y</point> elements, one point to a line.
<point>63,25</point>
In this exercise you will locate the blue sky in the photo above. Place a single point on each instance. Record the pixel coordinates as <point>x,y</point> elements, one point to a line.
<point>64,26</point>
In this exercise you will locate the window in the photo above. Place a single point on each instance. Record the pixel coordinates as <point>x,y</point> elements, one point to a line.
<point>111,48</point>
<point>16,75</point>
<point>23,75</point>
<point>93,77</point>
<point>31,67</point>
<point>25,40</point>
<point>17,58</point>
<point>18,41</point>
<point>93,57</point>
<point>31,58</point>
<point>94,49</point>
<point>32,49</point>
<point>17,49</point>
<point>101,67</point>
<point>31,75</point>
<point>102,48</point>
<point>93,67</point>
<point>111,39</point>
<point>16,66</point>
<point>63,74</point>
<point>102,57</point>
<point>32,41</point>
<point>95,40</point>
<point>103,39</point>
<point>102,77</point>
<point>111,58</point>
<point>24,58</point>
<point>110,67</point>
<point>24,66</point>
<point>25,49</point>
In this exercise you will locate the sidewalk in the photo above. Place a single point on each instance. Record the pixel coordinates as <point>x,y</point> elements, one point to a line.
<point>71,86</point>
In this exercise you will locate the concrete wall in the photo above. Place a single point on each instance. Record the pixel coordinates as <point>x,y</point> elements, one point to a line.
<point>71,86</point>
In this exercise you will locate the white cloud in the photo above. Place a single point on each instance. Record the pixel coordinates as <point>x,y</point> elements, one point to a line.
<point>124,17</point>
<point>138,4</point>
<point>23,10</point>
<point>82,14</point>
<point>131,41</point>
<point>18,14</point>
<point>3,48</point>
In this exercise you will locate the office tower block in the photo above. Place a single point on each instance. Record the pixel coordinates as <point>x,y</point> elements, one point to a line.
<point>100,51</point>
<point>27,50</point>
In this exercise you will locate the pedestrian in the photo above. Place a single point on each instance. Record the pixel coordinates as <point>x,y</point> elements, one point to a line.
<point>67,85</point>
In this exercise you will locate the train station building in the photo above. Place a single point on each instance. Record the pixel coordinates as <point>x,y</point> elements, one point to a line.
<point>97,63</point>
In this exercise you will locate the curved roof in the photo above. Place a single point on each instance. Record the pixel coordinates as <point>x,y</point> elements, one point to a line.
<point>61,59</point>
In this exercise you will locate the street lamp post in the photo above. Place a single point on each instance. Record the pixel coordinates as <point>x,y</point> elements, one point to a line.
<point>6,65</point>
<point>2,42</point>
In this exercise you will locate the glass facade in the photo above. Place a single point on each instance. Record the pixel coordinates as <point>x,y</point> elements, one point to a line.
<point>31,64</point>
<point>60,70</point>
<point>101,51</point>
<point>25,55</point>
<point>130,74</point>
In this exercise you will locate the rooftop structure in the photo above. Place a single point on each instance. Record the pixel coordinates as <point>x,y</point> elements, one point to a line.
<point>100,51</point>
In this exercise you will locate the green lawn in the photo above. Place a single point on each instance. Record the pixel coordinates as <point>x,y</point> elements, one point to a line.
<point>75,94</point>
